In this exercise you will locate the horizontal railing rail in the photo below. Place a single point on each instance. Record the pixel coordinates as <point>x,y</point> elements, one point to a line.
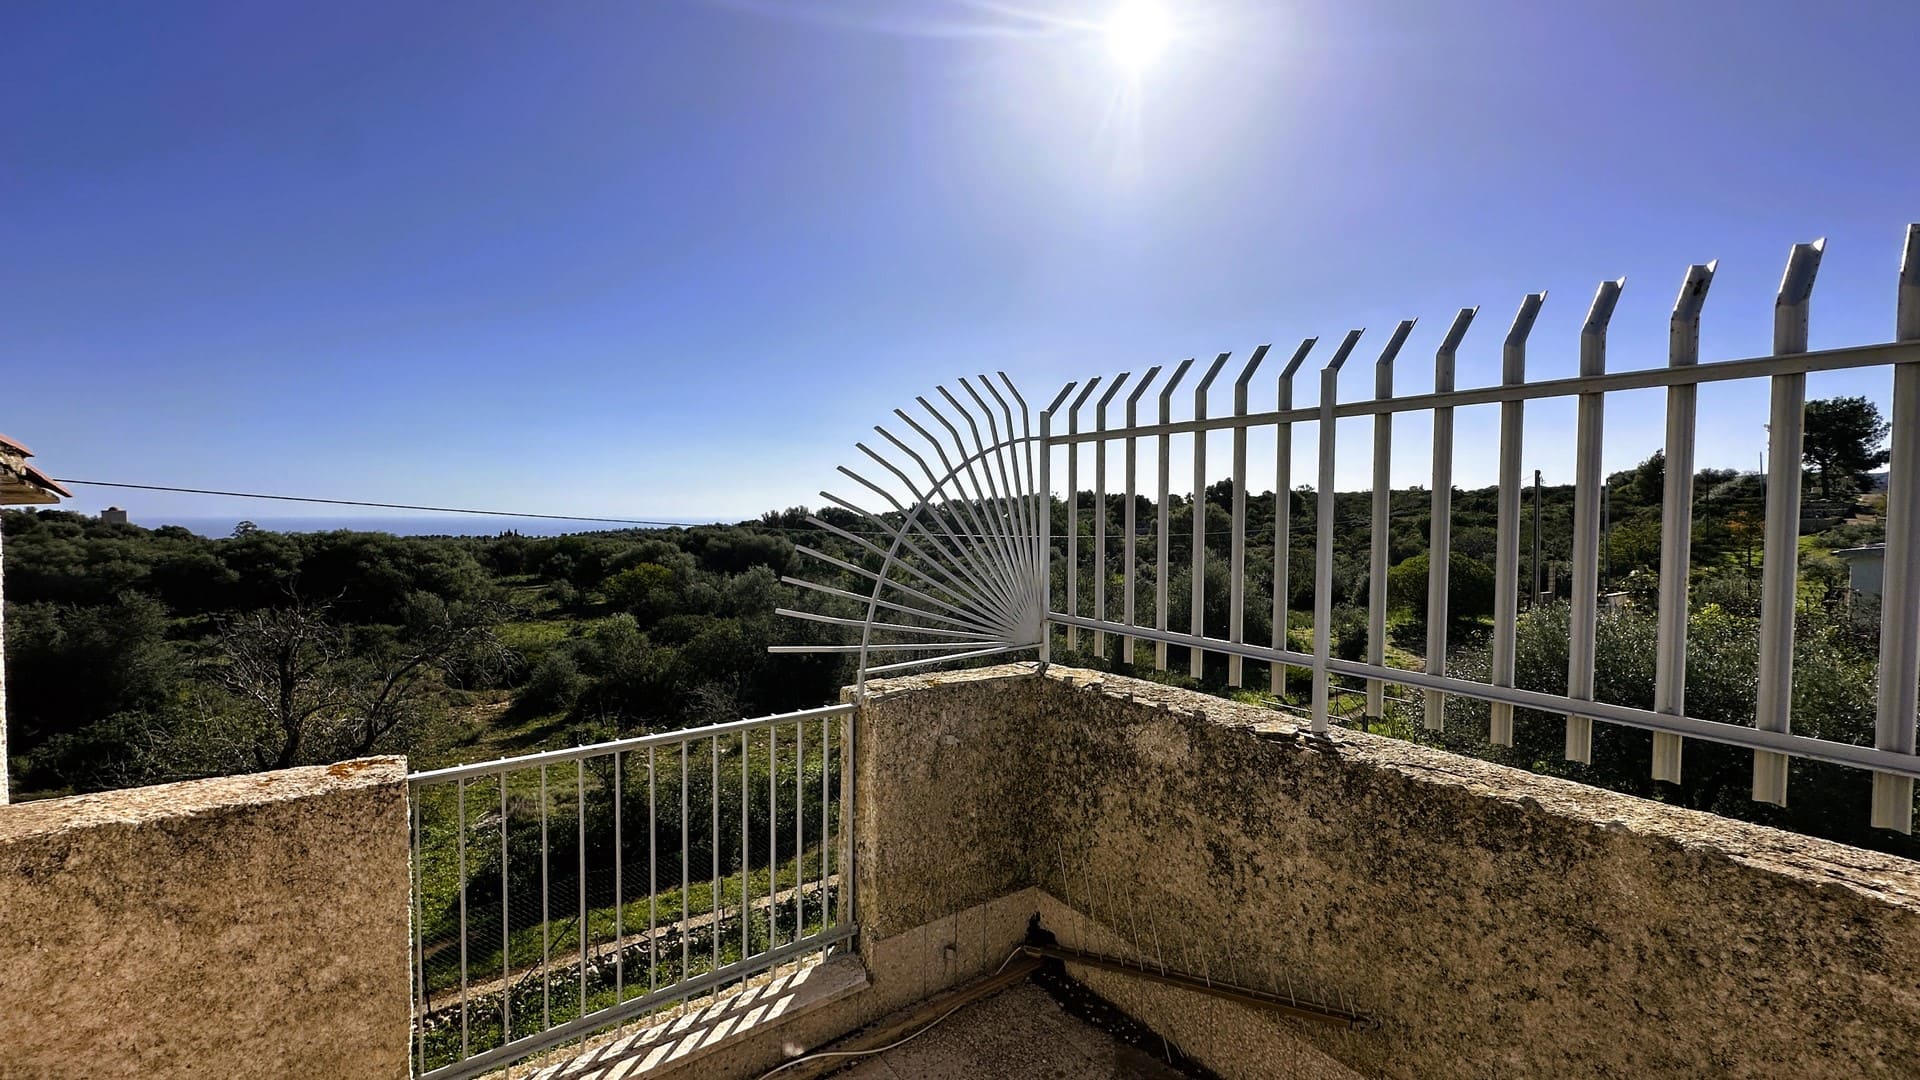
<point>565,893</point>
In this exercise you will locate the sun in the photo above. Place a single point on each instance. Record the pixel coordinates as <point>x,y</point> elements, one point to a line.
<point>1137,33</point>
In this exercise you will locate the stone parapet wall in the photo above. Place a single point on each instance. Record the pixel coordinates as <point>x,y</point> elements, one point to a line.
<point>1497,923</point>
<point>247,926</point>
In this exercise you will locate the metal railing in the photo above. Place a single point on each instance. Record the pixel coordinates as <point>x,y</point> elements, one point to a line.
<point>1891,759</point>
<point>966,566</point>
<point>563,894</point>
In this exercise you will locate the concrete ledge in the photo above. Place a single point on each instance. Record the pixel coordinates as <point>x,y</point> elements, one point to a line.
<point>1498,923</point>
<point>237,927</point>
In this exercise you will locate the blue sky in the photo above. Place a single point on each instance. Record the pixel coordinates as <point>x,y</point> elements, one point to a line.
<point>671,259</point>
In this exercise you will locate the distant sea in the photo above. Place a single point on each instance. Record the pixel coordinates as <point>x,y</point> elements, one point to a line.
<point>424,525</point>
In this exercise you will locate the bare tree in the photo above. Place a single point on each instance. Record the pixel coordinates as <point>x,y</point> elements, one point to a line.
<point>282,661</point>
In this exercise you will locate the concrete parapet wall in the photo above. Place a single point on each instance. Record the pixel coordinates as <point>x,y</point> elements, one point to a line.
<point>1498,923</point>
<point>238,927</point>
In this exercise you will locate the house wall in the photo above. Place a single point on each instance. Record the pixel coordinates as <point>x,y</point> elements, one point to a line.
<point>248,926</point>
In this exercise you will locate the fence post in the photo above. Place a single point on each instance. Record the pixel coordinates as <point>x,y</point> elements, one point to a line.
<point>1382,514</point>
<point>1197,609</point>
<point>1676,520</point>
<point>1506,560</point>
<point>1100,514</point>
<point>1164,515</point>
<point>1440,519</point>
<point>1893,727</point>
<point>1132,540</point>
<point>1589,484</point>
<point>1323,528</point>
<point>1073,513</point>
<point>1283,513</point>
<point>1237,619</point>
<point>1779,567</point>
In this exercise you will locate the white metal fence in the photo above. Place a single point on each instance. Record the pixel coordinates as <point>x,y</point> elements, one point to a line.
<point>969,552</point>
<point>562,894</point>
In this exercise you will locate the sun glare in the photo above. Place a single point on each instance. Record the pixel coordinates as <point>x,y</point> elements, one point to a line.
<point>1138,32</point>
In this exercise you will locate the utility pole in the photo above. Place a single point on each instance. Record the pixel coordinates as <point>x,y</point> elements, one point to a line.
<point>1536,540</point>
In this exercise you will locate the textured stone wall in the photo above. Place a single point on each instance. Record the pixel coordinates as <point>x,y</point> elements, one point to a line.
<point>249,926</point>
<point>1496,922</point>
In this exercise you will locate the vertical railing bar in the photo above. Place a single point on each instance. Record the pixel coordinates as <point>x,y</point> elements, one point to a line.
<point>1100,513</point>
<point>799,828</point>
<point>1897,701</point>
<point>419,937</point>
<point>1237,552</point>
<point>826,870</point>
<point>580,839</point>
<point>1589,484</point>
<point>713,845</point>
<point>1283,514</point>
<point>772,836</point>
<point>1132,543</point>
<point>619,882</point>
<point>1323,529</point>
<point>1163,515</point>
<point>1073,512</point>
<point>1378,550</point>
<point>686,873</point>
<point>1506,571</point>
<point>506,932</point>
<point>746,859</point>
<point>1197,610</point>
<point>546,914</point>
<point>1676,521</point>
<point>1043,506</point>
<point>460,797</point>
<point>1440,519</point>
<point>653,873</point>
<point>1779,567</point>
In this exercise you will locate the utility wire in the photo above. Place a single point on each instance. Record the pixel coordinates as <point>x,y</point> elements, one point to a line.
<point>391,506</point>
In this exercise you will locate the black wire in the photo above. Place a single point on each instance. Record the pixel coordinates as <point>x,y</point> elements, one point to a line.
<point>391,506</point>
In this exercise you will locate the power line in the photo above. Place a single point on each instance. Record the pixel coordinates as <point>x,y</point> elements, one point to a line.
<point>391,506</point>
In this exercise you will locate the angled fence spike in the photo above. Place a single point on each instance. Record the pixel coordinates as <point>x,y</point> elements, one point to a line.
<point>1588,481</point>
<point>1197,612</point>
<point>1323,528</point>
<point>986,508</point>
<point>1779,568</point>
<point>1100,514</point>
<point>1237,575</point>
<point>1676,520</point>
<point>1506,560</point>
<point>1382,514</point>
<point>1129,601</point>
<point>1160,532</point>
<point>1440,518</point>
<point>1283,513</point>
<point>1898,699</point>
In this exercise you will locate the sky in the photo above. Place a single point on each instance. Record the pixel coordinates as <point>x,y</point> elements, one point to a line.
<point>672,259</point>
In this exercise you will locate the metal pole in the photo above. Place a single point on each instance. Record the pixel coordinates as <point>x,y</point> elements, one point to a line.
<point>1073,512</point>
<point>1896,704</point>
<point>1382,516</point>
<point>1440,519</point>
<point>1163,515</point>
<point>1676,521</point>
<point>1197,609</point>
<point>1780,561</point>
<point>1323,529</point>
<point>1130,560</point>
<point>1100,515</point>
<point>1589,517</point>
<point>1506,572</point>
<point>1283,515</point>
<point>1237,574</point>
